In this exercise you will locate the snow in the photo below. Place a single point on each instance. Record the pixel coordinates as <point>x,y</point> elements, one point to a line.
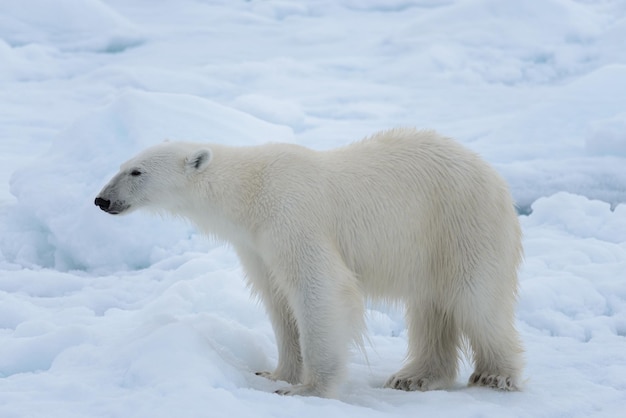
<point>140,316</point>
<point>97,143</point>
<point>69,25</point>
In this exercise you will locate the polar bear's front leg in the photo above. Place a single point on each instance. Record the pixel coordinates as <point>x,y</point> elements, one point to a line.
<point>324,304</point>
<point>323,341</point>
<point>289,366</point>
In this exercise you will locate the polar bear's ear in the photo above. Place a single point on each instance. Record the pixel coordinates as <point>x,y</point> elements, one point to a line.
<point>198,160</point>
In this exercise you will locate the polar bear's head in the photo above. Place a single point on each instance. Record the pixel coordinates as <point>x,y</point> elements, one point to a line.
<point>154,178</point>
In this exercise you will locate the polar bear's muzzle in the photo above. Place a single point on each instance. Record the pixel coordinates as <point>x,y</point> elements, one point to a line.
<point>114,208</point>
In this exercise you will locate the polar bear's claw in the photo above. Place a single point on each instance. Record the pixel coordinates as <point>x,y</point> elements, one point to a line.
<point>414,383</point>
<point>300,390</point>
<point>505,383</point>
<point>267,375</point>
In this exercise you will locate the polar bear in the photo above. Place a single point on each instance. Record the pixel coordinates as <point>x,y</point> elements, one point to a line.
<point>404,216</point>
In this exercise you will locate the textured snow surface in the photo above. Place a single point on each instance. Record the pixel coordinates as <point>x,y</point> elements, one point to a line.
<point>140,316</point>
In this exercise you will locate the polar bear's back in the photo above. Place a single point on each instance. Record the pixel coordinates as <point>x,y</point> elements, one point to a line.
<point>423,161</point>
<point>406,201</point>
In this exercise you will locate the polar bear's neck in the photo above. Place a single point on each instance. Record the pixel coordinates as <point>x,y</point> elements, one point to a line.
<point>224,194</point>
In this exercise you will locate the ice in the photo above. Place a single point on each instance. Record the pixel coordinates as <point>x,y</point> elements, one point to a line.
<point>57,190</point>
<point>608,137</point>
<point>142,316</point>
<point>68,24</point>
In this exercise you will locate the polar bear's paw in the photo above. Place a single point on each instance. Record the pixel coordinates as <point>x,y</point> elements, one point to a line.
<point>412,383</point>
<point>493,381</point>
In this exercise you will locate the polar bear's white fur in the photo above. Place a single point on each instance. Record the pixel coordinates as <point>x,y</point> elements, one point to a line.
<point>404,216</point>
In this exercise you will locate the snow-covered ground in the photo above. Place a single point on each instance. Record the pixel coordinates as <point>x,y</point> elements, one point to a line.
<point>139,316</point>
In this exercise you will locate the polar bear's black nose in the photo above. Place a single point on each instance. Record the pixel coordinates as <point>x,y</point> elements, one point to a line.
<point>102,203</point>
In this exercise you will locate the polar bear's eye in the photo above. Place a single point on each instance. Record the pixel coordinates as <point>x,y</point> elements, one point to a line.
<point>135,173</point>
